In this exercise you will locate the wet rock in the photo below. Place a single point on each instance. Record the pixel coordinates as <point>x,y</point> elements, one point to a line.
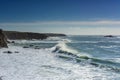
<point>109,36</point>
<point>25,47</point>
<point>8,52</point>
<point>31,45</point>
<point>10,41</point>
<point>37,47</point>
<point>13,42</point>
<point>13,35</point>
<point>3,40</point>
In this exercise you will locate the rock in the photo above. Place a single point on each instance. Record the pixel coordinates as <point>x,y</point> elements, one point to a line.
<point>109,36</point>
<point>31,45</point>
<point>3,40</point>
<point>14,35</point>
<point>25,47</point>
<point>37,47</point>
<point>8,52</point>
<point>13,42</point>
<point>10,41</point>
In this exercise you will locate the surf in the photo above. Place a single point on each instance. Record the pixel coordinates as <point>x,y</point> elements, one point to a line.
<point>56,59</point>
<point>66,52</point>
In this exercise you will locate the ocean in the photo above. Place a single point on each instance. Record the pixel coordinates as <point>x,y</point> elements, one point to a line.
<point>73,57</point>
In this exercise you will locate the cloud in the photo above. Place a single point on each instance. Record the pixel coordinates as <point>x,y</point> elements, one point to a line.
<point>65,23</point>
<point>68,27</point>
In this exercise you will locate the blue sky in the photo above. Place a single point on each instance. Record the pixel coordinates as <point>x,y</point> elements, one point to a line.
<point>61,16</point>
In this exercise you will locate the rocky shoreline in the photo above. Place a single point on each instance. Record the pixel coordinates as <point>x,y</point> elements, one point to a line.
<point>14,35</point>
<point>3,39</point>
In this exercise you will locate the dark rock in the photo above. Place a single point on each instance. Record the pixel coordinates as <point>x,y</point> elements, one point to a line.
<point>13,42</point>
<point>37,47</point>
<point>3,40</point>
<point>25,47</point>
<point>13,35</point>
<point>8,41</point>
<point>109,36</point>
<point>31,45</point>
<point>8,52</point>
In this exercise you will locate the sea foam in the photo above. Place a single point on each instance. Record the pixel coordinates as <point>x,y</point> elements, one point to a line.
<point>42,64</point>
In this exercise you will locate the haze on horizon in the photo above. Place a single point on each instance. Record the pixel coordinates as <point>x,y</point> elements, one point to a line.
<point>77,17</point>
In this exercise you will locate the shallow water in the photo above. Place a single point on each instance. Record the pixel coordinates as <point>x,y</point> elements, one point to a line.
<point>65,58</point>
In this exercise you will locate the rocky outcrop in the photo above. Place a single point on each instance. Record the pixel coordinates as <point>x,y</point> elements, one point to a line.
<point>3,40</point>
<point>109,36</point>
<point>24,35</point>
<point>29,35</point>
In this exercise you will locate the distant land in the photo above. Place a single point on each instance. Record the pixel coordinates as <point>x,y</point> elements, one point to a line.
<point>13,35</point>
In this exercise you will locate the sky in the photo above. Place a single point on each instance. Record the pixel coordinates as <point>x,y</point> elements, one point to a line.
<point>76,17</point>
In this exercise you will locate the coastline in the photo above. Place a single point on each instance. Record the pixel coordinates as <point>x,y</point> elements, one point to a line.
<point>13,35</point>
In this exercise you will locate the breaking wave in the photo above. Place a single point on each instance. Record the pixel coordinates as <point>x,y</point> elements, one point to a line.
<point>66,52</point>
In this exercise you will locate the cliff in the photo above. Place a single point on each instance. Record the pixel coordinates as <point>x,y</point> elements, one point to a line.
<point>29,35</point>
<point>3,40</point>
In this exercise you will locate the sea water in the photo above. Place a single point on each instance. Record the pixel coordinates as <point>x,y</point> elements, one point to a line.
<point>62,58</point>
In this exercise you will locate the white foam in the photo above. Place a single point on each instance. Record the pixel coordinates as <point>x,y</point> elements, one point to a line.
<point>113,46</point>
<point>32,41</point>
<point>54,38</point>
<point>58,39</point>
<point>117,59</point>
<point>31,64</point>
<point>64,47</point>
